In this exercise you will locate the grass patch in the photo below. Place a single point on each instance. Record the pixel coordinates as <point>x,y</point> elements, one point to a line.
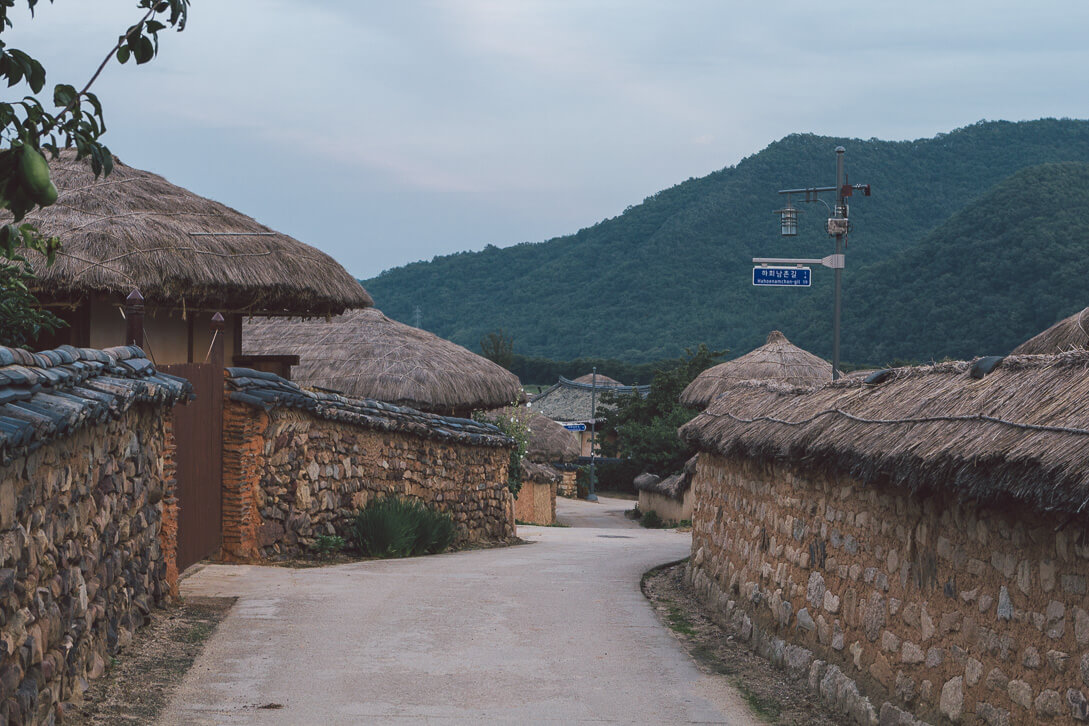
<point>764,707</point>
<point>531,524</point>
<point>678,619</point>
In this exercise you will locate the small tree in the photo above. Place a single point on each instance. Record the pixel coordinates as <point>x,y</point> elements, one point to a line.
<point>498,347</point>
<point>27,128</point>
<point>646,428</point>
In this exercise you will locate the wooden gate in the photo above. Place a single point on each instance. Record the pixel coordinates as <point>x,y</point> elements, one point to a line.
<point>198,433</point>
<point>198,439</point>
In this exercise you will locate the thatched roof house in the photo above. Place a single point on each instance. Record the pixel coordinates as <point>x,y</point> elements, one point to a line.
<point>365,354</point>
<point>548,440</point>
<point>136,229</point>
<point>188,256</point>
<point>1068,334</point>
<point>777,360</point>
<point>1018,433</point>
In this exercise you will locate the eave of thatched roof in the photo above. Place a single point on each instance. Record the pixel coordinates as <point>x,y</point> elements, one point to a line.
<point>1071,333</point>
<point>924,429</point>
<point>135,229</point>
<point>673,486</point>
<point>541,473</point>
<point>548,440</point>
<point>366,354</point>
<point>777,360</point>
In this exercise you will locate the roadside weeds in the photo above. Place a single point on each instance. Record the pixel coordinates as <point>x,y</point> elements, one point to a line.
<point>771,693</point>
<point>143,676</point>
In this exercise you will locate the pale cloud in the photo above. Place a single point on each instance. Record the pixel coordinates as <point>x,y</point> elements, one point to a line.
<point>388,132</point>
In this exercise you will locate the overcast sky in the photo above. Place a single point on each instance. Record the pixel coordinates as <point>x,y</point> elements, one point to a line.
<point>389,132</point>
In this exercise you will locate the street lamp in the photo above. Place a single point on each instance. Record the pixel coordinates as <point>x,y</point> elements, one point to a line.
<point>591,496</point>
<point>837,226</point>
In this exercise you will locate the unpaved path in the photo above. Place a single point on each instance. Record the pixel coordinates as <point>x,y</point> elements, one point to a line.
<point>556,631</point>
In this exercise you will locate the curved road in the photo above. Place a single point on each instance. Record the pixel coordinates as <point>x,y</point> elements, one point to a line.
<point>555,631</point>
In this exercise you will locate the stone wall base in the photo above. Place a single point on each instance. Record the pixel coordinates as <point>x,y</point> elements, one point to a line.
<point>825,681</point>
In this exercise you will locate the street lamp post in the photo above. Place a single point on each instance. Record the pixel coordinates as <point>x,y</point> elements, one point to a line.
<point>592,495</point>
<point>838,226</point>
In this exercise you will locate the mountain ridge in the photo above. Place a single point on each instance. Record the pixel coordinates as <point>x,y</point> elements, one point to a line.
<point>674,269</point>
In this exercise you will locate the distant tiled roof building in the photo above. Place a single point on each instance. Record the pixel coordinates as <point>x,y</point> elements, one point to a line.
<point>573,402</point>
<point>578,405</point>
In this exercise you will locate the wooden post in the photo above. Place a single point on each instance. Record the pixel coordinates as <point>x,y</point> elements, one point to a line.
<point>134,319</point>
<point>215,355</point>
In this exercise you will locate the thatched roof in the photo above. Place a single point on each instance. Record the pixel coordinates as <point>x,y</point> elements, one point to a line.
<point>1020,432</point>
<point>777,360</point>
<point>1068,334</point>
<point>598,380</point>
<point>548,440</point>
<point>541,473</point>
<point>673,486</point>
<point>135,229</point>
<point>365,354</point>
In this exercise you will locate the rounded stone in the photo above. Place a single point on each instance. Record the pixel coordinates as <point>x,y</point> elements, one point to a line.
<point>951,702</point>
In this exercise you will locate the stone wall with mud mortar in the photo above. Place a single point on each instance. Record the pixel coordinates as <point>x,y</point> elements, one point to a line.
<point>84,556</point>
<point>898,607</point>
<point>289,476</point>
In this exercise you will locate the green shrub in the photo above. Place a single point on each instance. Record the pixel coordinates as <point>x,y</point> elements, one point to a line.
<point>651,520</point>
<point>393,527</point>
<point>435,533</point>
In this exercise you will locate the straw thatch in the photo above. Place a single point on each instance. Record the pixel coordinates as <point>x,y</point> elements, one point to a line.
<point>1020,432</point>
<point>673,486</point>
<point>1068,334</point>
<point>548,440</point>
<point>135,229</point>
<point>777,360</point>
<point>601,381</point>
<point>541,473</point>
<point>363,353</point>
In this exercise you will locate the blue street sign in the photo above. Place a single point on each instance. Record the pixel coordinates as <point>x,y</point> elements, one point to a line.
<point>575,427</point>
<point>781,276</point>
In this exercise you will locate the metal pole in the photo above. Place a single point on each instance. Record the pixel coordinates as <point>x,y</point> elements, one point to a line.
<point>592,495</point>
<point>840,180</point>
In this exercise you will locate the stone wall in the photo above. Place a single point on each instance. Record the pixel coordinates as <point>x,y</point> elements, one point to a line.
<point>83,556</point>
<point>893,603</point>
<point>568,486</point>
<point>290,475</point>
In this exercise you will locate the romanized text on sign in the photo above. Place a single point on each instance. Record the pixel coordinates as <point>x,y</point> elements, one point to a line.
<point>781,276</point>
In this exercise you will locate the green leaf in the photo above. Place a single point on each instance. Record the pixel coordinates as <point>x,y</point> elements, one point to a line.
<point>123,54</point>
<point>63,95</point>
<point>144,50</point>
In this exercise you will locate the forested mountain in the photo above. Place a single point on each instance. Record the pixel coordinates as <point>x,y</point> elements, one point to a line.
<point>675,270</point>
<point>996,273</point>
